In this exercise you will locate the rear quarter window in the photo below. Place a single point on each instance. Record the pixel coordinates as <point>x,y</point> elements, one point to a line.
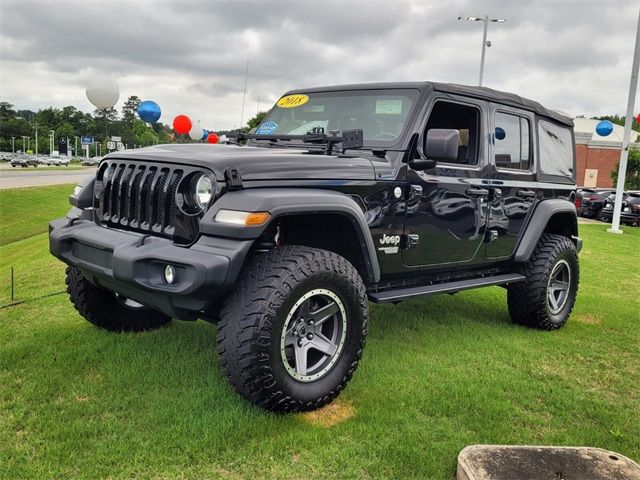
<point>556,150</point>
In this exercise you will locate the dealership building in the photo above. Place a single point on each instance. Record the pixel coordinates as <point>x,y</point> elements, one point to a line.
<point>597,156</point>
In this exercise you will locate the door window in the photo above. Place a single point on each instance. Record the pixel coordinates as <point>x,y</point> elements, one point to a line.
<point>512,146</point>
<point>466,120</point>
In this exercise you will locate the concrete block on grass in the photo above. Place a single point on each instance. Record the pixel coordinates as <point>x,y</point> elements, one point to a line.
<point>506,462</point>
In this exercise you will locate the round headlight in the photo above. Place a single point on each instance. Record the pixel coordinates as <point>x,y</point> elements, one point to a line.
<point>203,192</point>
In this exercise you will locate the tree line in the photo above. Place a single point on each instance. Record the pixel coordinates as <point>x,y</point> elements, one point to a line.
<point>73,123</point>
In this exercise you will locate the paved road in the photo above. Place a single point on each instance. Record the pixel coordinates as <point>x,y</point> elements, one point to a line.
<point>40,176</point>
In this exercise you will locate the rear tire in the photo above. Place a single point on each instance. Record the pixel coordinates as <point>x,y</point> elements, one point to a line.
<point>602,216</point>
<point>545,299</point>
<point>273,324</point>
<point>104,309</point>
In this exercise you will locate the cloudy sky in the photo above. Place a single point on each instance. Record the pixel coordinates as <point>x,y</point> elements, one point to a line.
<point>190,56</point>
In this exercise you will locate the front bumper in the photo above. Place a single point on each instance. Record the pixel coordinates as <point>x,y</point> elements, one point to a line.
<point>132,265</point>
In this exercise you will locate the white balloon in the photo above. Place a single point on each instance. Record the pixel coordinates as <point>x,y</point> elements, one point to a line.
<point>196,132</point>
<point>103,92</point>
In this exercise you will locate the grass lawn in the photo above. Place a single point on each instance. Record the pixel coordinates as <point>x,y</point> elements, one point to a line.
<point>437,374</point>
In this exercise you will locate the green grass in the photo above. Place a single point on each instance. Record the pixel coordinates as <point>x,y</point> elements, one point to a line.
<point>25,212</point>
<point>437,375</point>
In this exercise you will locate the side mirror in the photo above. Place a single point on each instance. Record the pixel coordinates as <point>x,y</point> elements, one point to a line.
<point>442,144</point>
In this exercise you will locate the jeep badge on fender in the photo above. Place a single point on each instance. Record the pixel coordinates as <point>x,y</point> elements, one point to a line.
<point>343,195</point>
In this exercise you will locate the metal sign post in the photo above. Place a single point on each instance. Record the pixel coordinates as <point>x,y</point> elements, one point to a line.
<point>626,137</point>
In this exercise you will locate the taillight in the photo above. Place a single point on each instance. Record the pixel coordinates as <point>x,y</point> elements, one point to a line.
<point>578,202</point>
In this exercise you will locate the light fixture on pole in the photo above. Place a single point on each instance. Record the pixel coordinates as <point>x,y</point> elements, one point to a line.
<point>626,136</point>
<point>485,43</point>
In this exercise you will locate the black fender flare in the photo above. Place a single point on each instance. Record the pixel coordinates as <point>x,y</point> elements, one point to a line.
<point>538,222</point>
<point>291,201</point>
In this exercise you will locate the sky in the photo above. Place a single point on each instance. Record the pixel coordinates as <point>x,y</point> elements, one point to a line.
<point>190,56</point>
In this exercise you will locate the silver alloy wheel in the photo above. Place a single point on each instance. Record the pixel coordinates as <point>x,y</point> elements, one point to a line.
<point>313,335</point>
<point>558,286</point>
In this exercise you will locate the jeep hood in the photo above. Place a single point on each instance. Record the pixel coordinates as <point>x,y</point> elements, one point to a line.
<point>256,163</point>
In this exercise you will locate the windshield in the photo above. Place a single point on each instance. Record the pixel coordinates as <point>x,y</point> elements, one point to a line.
<point>381,114</point>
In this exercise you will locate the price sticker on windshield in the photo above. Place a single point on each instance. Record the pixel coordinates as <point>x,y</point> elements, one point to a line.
<point>293,101</point>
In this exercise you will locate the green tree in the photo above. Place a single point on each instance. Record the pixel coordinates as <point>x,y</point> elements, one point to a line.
<point>632,179</point>
<point>253,122</point>
<point>6,111</point>
<point>130,109</point>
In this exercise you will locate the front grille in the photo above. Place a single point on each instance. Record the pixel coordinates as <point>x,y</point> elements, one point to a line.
<point>142,197</point>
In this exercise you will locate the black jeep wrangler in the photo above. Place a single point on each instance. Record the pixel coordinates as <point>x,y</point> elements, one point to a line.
<point>343,195</point>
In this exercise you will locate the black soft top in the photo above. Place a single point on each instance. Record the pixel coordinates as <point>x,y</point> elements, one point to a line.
<point>483,93</point>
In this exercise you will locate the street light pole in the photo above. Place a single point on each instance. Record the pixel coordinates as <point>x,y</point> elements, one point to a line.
<point>485,43</point>
<point>626,136</point>
<point>13,144</point>
<point>484,47</point>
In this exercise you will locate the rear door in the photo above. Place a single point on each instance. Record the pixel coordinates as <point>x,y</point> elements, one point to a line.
<point>513,190</point>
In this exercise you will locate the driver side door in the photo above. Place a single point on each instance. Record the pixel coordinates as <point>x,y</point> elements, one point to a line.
<point>450,200</point>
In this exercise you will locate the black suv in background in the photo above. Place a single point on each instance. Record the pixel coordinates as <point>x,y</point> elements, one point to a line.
<point>343,195</point>
<point>630,213</point>
<point>593,201</point>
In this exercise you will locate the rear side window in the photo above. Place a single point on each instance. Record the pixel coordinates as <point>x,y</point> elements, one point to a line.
<point>556,149</point>
<point>512,145</point>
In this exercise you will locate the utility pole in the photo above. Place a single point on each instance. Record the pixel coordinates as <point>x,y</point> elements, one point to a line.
<point>626,136</point>
<point>485,43</point>
<point>36,141</point>
<point>246,74</point>
<point>13,144</point>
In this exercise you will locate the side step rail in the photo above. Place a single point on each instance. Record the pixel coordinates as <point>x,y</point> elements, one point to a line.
<point>399,294</point>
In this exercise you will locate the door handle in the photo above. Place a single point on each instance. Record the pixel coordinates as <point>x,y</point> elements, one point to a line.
<point>477,192</point>
<point>526,193</point>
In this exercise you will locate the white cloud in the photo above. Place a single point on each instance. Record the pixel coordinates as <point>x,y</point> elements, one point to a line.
<point>190,56</point>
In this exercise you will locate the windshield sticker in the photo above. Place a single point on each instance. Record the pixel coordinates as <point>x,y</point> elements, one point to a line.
<point>388,106</point>
<point>292,101</point>
<point>313,108</point>
<point>267,128</point>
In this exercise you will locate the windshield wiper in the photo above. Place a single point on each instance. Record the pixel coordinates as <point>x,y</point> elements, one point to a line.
<point>350,139</point>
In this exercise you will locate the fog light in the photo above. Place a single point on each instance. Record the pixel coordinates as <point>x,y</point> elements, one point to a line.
<point>170,274</point>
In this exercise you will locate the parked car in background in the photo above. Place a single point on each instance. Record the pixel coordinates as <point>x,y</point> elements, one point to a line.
<point>91,162</point>
<point>24,161</point>
<point>593,201</point>
<point>58,160</point>
<point>630,212</point>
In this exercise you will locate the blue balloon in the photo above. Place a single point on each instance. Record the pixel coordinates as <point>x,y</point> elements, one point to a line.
<point>149,111</point>
<point>604,128</point>
<point>500,133</point>
<point>204,134</point>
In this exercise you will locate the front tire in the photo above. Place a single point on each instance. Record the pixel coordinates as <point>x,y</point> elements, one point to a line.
<point>108,311</point>
<point>545,299</point>
<point>292,332</point>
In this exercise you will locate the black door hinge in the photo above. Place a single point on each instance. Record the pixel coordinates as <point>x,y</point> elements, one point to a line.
<point>409,241</point>
<point>233,179</point>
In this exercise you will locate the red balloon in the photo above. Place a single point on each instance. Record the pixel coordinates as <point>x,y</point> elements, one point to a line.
<point>212,138</point>
<point>638,118</point>
<point>182,124</point>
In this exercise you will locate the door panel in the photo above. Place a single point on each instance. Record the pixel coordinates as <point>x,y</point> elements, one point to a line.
<point>450,208</point>
<point>513,183</point>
